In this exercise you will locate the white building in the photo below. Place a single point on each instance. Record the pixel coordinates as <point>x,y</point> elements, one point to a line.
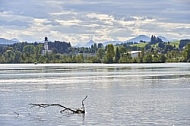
<point>134,54</point>
<point>46,49</point>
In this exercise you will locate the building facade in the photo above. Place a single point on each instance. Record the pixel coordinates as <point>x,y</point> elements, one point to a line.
<point>46,49</point>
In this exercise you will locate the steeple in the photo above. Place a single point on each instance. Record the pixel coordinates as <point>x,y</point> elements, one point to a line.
<point>46,38</point>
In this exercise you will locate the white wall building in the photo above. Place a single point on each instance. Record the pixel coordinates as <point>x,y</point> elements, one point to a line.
<point>134,54</point>
<point>46,49</point>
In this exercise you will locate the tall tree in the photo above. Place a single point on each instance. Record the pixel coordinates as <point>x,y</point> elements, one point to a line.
<point>122,49</point>
<point>117,55</point>
<point>2,59</point>
<point>29,53</point>
<point>9,56</point>
<point>147,58</point>
<point>100,53</point>
<point>186,53</point>
<point>18,57</point>
<point>109,54</point>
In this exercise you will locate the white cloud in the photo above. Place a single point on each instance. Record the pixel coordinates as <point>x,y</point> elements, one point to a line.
<point>69,22</point>
<point>82,20</point>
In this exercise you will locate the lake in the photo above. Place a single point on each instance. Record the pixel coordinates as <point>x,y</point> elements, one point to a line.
<point>118,94</point>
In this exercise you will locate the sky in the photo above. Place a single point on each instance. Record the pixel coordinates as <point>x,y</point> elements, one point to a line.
<point>99,20</point>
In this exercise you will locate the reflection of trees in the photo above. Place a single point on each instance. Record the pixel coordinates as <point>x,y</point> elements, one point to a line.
<point>164,77</point>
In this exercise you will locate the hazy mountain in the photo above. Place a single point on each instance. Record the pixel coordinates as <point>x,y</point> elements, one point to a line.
<point>174,40</point>
<point>163,38</point>
<point>112,42</point>
<point>15,39</point>
<point>88,44</point>
<point>77,45</point>
<point>139,38</point>
<point>7,42</point>
<point>136,39</point>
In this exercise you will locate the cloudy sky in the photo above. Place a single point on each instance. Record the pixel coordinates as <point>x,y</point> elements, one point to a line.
<point>100,20</point>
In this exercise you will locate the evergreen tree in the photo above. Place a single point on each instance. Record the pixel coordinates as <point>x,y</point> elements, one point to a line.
<point>109,53</point>
<point>100,53</point>
<point>117,55</point>
<point>186,53</point>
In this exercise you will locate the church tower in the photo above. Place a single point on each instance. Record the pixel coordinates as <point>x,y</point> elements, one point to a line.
<point>46,45</point>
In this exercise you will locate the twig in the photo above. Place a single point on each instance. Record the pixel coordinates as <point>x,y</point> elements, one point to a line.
<point>83,108</point>
<point>16,114</point>
<point>76,111</point>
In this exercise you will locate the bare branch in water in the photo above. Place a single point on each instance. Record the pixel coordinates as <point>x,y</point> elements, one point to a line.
<point>75,111</point>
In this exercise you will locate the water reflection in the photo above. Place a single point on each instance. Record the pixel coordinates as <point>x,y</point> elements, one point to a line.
<point>168,77</point>
<point>119,94</point>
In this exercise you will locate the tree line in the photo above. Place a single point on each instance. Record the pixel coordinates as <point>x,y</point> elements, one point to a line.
<point>155,51</point>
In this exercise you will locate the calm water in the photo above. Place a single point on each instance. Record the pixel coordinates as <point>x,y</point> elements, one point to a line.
<point>118,94</point>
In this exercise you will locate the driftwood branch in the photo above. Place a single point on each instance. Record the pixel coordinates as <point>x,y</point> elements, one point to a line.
<point>75,111</point>
<point>83,108</point>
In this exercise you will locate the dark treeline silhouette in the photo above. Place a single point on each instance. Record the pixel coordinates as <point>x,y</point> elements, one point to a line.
<point>155,40</point>
<point>183,43</point>
<point>59,47</point>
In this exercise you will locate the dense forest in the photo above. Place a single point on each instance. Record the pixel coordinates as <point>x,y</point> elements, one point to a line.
<point>155,51</point>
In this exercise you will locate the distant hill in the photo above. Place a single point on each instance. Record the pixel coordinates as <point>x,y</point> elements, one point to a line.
<point>15,39</point>
<point>91,42</point>
<point>4,41</point>
<point>87,45</point>
<point>163,38</point>
<point>77,45</point>
<point>112,42</point>
<point>134,40</point>
<point>139,38</point>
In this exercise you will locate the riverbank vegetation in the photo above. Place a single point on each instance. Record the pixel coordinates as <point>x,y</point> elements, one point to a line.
<point>155,51</point>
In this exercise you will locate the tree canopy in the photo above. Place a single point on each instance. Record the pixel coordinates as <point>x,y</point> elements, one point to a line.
<point>154,51</point>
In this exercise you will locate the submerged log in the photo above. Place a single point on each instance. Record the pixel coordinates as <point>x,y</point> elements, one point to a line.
<point>74,111</point>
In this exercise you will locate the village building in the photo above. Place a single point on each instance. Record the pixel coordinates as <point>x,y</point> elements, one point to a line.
<point>135,54</point>
<point>46,49</point>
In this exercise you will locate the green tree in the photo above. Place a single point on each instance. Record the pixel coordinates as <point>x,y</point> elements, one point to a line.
<point>29,53</point>
<point>142,52</point>
<point>162,58</point>
<point>42,59</point>
<point>186,53</point>
<point>100,53</point>
<point>95,48</point>
<point>140,56</point>
<point>38,51</point>
<point>9,56</point>
<point>122,49</point>
<point>126,58</point>
<point>117,55</point>
<point>18,57</point>
<point>109,54</point>
<point>79,58</point>
<point>2,59</point>
<point>29,49</point>
<point>147,58</point>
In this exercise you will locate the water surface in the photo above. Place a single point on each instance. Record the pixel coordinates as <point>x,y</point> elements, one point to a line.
<point>118,94</point>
